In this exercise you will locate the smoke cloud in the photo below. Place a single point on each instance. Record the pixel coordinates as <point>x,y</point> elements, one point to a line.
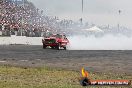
<point>107,42</point>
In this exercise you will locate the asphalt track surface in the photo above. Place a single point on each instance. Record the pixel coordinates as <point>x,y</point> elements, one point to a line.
<point>92,60</point>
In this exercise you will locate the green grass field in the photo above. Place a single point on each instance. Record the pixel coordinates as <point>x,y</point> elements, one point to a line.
<point>46,77</point>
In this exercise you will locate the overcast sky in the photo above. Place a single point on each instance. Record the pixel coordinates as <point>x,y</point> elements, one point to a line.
<point>100,12</point>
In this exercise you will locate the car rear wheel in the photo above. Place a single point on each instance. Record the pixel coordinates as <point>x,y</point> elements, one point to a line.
<point>65,48</point>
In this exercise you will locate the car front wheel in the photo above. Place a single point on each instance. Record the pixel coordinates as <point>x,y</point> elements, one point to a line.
<point>44,46</point>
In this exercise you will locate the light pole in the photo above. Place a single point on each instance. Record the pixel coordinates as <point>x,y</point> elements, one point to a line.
<point>82,6</point>
<point>118,19</point>
<point>22,17</point>
<point>82,12</point>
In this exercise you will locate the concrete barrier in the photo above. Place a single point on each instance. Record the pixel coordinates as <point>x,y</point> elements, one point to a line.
<point>20,40</point>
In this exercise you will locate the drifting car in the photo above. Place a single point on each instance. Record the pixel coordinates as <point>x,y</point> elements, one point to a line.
<point>56,41</point>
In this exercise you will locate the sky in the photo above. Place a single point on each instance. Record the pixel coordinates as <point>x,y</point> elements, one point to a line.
<point>99,12</point>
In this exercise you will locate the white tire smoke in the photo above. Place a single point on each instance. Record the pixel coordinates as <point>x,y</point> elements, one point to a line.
<point>107,42</point>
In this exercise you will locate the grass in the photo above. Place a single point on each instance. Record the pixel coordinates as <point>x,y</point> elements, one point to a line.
<point>46,77</point>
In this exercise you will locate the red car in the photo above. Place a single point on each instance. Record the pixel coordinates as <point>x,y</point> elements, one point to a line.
<point>55,42</point>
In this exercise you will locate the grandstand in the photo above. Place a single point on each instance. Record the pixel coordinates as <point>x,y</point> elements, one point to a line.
<point>22,18</point>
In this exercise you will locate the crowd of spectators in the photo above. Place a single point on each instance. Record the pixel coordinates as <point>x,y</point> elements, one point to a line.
<point>22,18</point>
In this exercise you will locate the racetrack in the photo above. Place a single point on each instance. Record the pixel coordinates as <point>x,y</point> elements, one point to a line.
<point>98,61</point>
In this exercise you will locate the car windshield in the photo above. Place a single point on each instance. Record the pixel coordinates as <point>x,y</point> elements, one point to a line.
<point>57,36</point>
<point>54,35</point>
